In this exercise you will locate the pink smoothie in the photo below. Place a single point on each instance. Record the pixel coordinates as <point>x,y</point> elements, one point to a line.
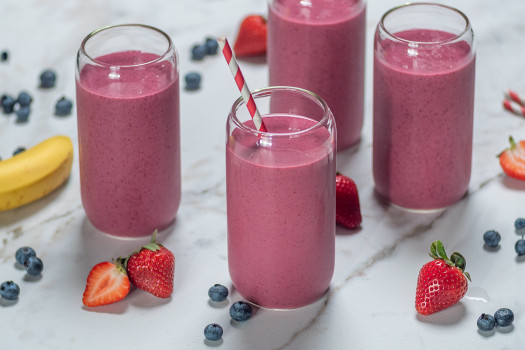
<point>128,122</point>
<point>281,214</point>
<point>423,119</point>
<point>321,48</point>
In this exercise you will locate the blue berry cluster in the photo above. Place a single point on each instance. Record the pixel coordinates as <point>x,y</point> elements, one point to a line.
<point>20,106</point>
<point>492,237</point>
<point>26,256</point>
<point>519,226</point>
<point>502,318</point>
<point>210,47</point>
<point>240,311</point>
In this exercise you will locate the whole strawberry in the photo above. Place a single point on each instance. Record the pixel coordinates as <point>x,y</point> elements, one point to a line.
<point>152,269</point>
<point>347,207</point>
<point>442,282</point>
<point>512,160</point>
<point>251,39</point>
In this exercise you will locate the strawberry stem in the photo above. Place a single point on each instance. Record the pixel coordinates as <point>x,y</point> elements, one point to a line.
<point>437,251</point>
<point>512,143</point>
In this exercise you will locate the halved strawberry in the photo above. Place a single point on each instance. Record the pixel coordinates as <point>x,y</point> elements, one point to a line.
<point>251,39</point>
<point>512,160</point>
<point>106,283</point>
<point>347,207</point>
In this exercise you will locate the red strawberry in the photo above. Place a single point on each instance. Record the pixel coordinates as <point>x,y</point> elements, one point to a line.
<point>442,282</point>
<point>512,160</point>
<point>251,39</point>
<point>106,283</point>
<point>152,269</point>
<point>347,208</point>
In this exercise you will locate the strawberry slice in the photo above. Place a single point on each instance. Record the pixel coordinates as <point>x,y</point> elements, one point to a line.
<point>251,39</point>
<point>512,160</point>
<point>106,283</point>
<point>347,207</point>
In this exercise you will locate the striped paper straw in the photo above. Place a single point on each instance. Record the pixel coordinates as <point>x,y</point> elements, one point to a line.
<point>513,96</point>
<point>514,107</point>
<point>241,83</point>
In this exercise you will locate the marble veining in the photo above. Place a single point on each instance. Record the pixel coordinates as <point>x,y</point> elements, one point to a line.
<point>370,303</point>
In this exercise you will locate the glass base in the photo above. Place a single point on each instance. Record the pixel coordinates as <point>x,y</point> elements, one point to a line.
<point>387,202</point>
<point>303,307</point>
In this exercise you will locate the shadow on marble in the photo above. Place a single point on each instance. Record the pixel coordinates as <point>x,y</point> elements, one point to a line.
<point>143,299</point>
<point>343,231</point>
<point>505,330</point>
<point>487,333</point>
<point>10,217</point>
<point>513,184</point>
<point>117,308</point>
<point>7,303</point>
<point>447,317</point>
<point>212,343</point>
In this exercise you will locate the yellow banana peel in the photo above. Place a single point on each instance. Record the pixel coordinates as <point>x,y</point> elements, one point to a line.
<point>36,172</point>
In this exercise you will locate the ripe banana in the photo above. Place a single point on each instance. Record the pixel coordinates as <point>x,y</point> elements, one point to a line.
<point>34,173</point>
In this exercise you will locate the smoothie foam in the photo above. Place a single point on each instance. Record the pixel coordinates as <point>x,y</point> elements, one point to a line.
<point>281,214</point>
<point>129,143</point>
<point>321,48</point>
<point>423,117</point>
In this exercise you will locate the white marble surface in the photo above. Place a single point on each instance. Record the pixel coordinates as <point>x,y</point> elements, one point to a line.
<point>370,304</point>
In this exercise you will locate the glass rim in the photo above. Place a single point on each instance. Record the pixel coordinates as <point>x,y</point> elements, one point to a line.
<point>430,4</point>
<point>266,91</point>
<point>137,25</point>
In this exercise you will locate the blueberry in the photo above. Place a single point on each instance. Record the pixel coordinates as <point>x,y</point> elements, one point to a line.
<point>48,79</point>
<point>491,238</point>
<point>24,99</point>
<point>486,322</point>
<point>22,114</point>
<point>193,81</point>
<point>198,52</point>
<point>4,56</point>
<point>34,266</point>
<point>8,104</point>
<point>519,225</point>
<point>218,292</point>
<point>504,317</point>
<point>212,46</point>
<point>213,332</point>
<point>63,107</point>
<point>22,254</point>
<point>9,290</point>
<point>520,247</point>
<point>241,311</point>
<point>18,150</point>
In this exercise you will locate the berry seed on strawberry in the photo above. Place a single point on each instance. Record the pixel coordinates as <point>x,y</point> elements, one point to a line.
<point>442,282</point>
<point>512,160</point>
<point>251,39</point>
<point>347,207</point>
<point>152,269</point>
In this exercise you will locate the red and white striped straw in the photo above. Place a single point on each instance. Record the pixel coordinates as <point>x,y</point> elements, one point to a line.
<point>513,96</point>
<point>241,83</point>
<point>514,107</point>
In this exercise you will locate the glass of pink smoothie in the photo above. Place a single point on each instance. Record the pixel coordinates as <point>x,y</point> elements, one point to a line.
<point>281,198</point>
<point>319,45</point>
<point>424,67</point>
<point>127,83</point>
